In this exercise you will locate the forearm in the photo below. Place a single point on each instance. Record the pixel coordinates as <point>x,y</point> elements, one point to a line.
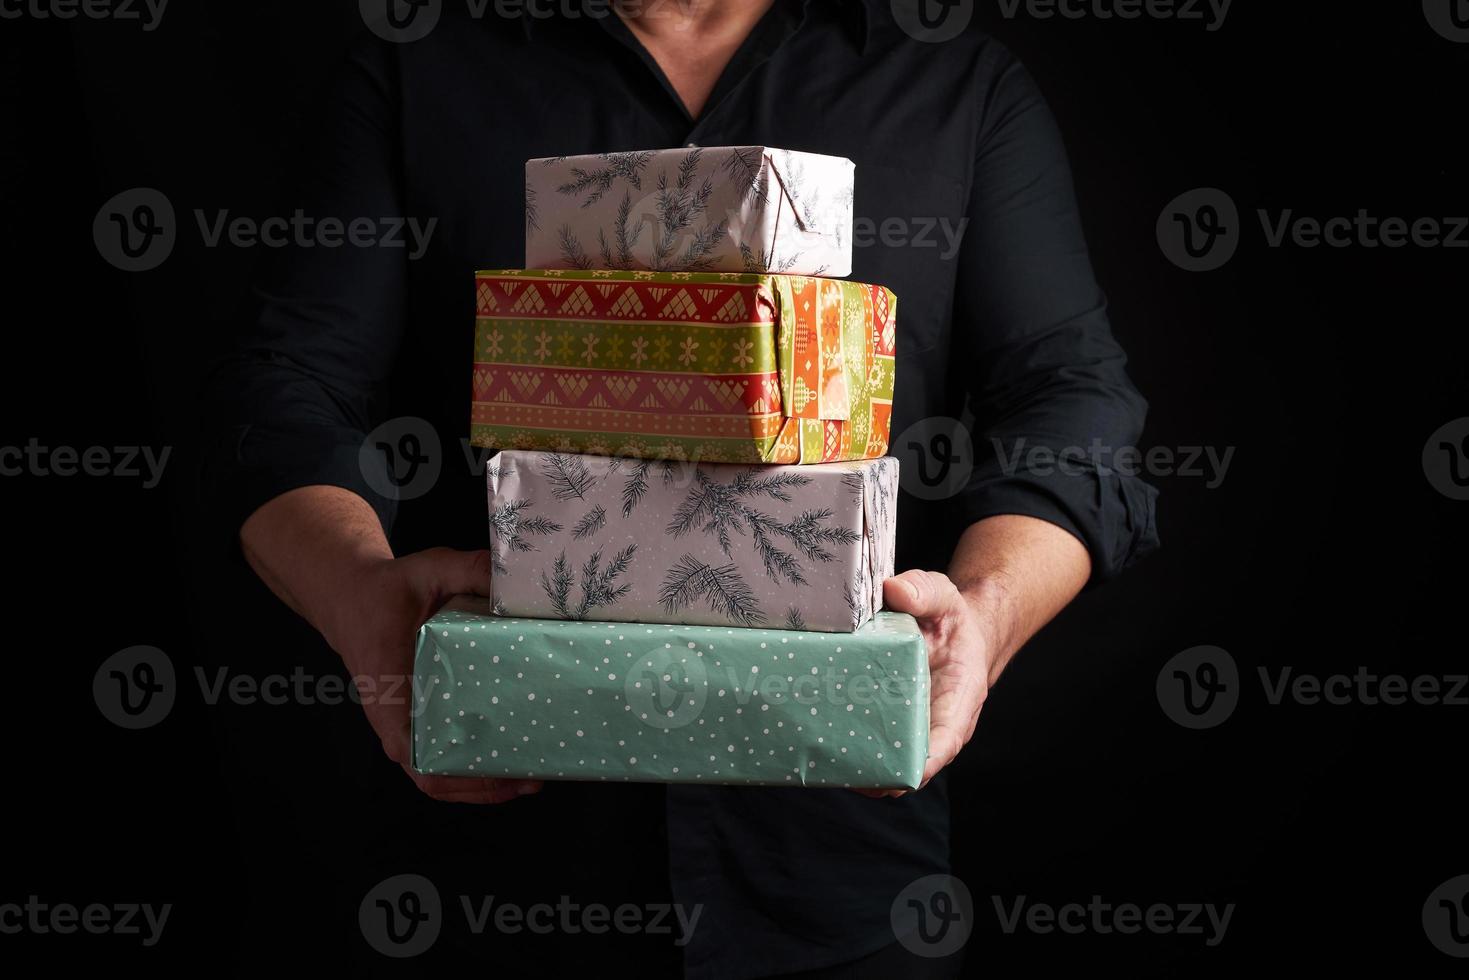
<point>1017,573</point>
<point>307,543</point>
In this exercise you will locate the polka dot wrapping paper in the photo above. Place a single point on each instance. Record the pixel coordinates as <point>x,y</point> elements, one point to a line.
<point>578,700</point>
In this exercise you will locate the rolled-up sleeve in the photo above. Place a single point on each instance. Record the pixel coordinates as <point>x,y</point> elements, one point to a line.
<point>291,405</point>
<point>1054,409</point>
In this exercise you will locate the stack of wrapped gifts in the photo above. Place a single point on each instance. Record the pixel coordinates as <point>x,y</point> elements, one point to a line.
<point>690,514</point>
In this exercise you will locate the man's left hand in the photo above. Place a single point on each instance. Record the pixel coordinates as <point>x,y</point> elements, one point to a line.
<point>958,661</point>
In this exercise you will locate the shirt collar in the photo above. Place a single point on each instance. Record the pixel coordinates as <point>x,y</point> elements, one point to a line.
<point>853,14</point>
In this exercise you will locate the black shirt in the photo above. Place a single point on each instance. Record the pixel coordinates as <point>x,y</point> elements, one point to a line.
<point>1007,329</point>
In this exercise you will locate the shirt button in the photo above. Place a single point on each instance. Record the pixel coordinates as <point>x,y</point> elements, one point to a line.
<point>691,144</point>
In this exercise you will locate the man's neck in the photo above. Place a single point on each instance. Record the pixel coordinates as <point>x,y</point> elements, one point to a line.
<point>692,40</point>
<point>666,21</point>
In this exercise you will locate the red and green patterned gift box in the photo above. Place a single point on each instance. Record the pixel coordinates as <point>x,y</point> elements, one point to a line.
<point>713,367</point>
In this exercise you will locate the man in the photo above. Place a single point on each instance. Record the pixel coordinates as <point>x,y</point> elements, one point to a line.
<point>1004,322</point>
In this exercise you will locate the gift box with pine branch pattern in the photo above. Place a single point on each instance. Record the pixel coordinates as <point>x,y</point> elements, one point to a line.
<point>633,540</point>
<point>710,367</point>
<point>692,209</point>
<point>580,700</point>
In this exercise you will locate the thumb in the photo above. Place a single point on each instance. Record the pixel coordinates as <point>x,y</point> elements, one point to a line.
<point>918,593</point>
<point>447,572</point>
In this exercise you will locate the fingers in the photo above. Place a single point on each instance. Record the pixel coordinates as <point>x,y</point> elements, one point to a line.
<point>390,715</point>
<point>446,572</point>
<point>450,789</point>
<point>959,693</point>
<point>919,593</point>
<point>956,660</point>
<point>395,738</point>
<point>459,789</point>
<point>943,748</point>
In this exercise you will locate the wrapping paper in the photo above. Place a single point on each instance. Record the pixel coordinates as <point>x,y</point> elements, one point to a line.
<point>549,699</point>
<point>699,209</point>
<point>784,547</point>
<point>711,367</point>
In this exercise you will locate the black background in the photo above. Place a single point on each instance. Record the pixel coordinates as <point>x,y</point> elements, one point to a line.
<point>1325,548</point>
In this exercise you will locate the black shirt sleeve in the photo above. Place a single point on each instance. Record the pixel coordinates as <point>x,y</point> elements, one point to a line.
<point>1046,372</point>
<point>293,404</point>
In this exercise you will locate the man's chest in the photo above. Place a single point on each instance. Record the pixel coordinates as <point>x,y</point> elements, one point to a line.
<point>465,159</point>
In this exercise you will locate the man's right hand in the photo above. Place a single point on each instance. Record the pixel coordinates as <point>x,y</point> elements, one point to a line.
<point>323,552</point>
<point>375,638</point>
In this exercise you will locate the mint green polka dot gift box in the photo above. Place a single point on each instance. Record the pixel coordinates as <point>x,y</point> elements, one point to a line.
<point>553,699</point>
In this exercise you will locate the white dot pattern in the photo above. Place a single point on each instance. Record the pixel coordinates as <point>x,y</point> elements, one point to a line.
<point>670,703</point>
